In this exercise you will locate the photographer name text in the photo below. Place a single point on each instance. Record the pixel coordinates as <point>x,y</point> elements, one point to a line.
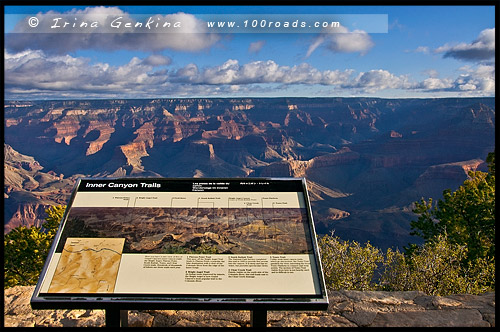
<point>118,23</point>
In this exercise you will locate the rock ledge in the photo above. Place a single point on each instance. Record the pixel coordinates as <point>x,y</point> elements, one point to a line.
<point>346,309</point>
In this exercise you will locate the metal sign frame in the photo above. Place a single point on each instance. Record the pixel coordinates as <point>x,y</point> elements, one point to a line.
<point>118,188</point>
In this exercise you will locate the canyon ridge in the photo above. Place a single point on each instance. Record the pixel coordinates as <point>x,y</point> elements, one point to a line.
<point>366,160</point>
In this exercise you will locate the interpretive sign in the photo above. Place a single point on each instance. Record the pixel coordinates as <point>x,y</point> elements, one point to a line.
<point>134,241</point>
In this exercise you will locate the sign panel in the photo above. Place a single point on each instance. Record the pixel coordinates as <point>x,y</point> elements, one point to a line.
<point>137,239</point>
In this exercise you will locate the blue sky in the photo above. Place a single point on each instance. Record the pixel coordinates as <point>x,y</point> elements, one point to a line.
<point>426,51</point>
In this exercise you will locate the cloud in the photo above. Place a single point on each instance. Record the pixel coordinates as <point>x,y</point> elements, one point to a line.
<point>191,35</point>
<point>480,79</point>
<point>157,60</point>
<point>483,48</point>
<point>474,81</point>
<point>255,47</point>
<point>315,44</point>
<point>433,73</point>
<point>35,72</point>
<point>258,72</point>
<point>37,75</point>
<point>396,25</point>
<point>422,49</point>
<point>341,40</point>
<point>375,80</point>
<point>435,84</point>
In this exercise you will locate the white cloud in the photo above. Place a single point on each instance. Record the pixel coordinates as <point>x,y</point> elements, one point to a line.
<point>375,80</point>
<point>315,44</point>
<point>480,79</point>
<point>476,81</point>
<point>188,73</point>
<point>157,60</point>
<point>483,48</point>
<point>227,73</point>
<point>35,71</point>
<point>192,35</point>
<point>255,47</point>
<point>258,72</point>
<point>433,73</point>
<point>435,84</point>
<point>35,74</point>
<point>341,40</point>
<point>422,49</point>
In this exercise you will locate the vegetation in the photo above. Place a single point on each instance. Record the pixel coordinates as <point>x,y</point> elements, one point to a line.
<point>460,229</point>
<point>436,269</point>
<point>348,265</point>
<point>467,215</point>
<point>25,249</point>
<point>458,255</point>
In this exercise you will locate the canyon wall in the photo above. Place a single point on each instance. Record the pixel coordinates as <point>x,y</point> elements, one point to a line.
<point>366,160</point>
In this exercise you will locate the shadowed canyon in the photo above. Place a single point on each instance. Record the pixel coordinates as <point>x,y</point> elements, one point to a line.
<point>366,160</point>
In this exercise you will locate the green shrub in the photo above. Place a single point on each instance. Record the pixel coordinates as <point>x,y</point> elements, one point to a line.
<point>347,264</point>
<point>397,273</point>
<point>459,233</point>
<point>26,249</point>
<point>466,215</point>
<point>434,268</point>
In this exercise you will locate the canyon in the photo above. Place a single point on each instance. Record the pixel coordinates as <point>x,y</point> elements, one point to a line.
<point>366,160</point>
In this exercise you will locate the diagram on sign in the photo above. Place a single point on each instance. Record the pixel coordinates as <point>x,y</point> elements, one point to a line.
<point>226,223</point>
<point>88,265</point>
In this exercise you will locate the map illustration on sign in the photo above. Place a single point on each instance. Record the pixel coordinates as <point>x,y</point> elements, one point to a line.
<point>88,265</point>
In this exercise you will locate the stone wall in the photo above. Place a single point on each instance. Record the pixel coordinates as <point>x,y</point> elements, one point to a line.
<point>346,309</point>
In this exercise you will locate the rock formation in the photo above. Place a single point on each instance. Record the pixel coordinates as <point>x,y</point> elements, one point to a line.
<point>370,158</point>
<point>346,309</point>
<point>28,191</point>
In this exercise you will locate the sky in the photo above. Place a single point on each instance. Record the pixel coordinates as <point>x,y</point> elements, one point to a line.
<point>67,52</point>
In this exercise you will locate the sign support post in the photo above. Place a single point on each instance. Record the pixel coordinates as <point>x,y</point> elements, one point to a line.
<point>258,318</point>
<point>119,318</point>
<point>115,317</point>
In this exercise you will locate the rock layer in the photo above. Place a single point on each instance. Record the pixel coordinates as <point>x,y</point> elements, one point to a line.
<point>368,158</point>
<point>346,309</point>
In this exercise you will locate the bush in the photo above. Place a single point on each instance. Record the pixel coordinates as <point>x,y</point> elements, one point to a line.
<point>347,264</point>
<point>459,234</point>
<point>434,268</point>
<point>26,249</point>
<point>466,215</point>
<point>397,273</point>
